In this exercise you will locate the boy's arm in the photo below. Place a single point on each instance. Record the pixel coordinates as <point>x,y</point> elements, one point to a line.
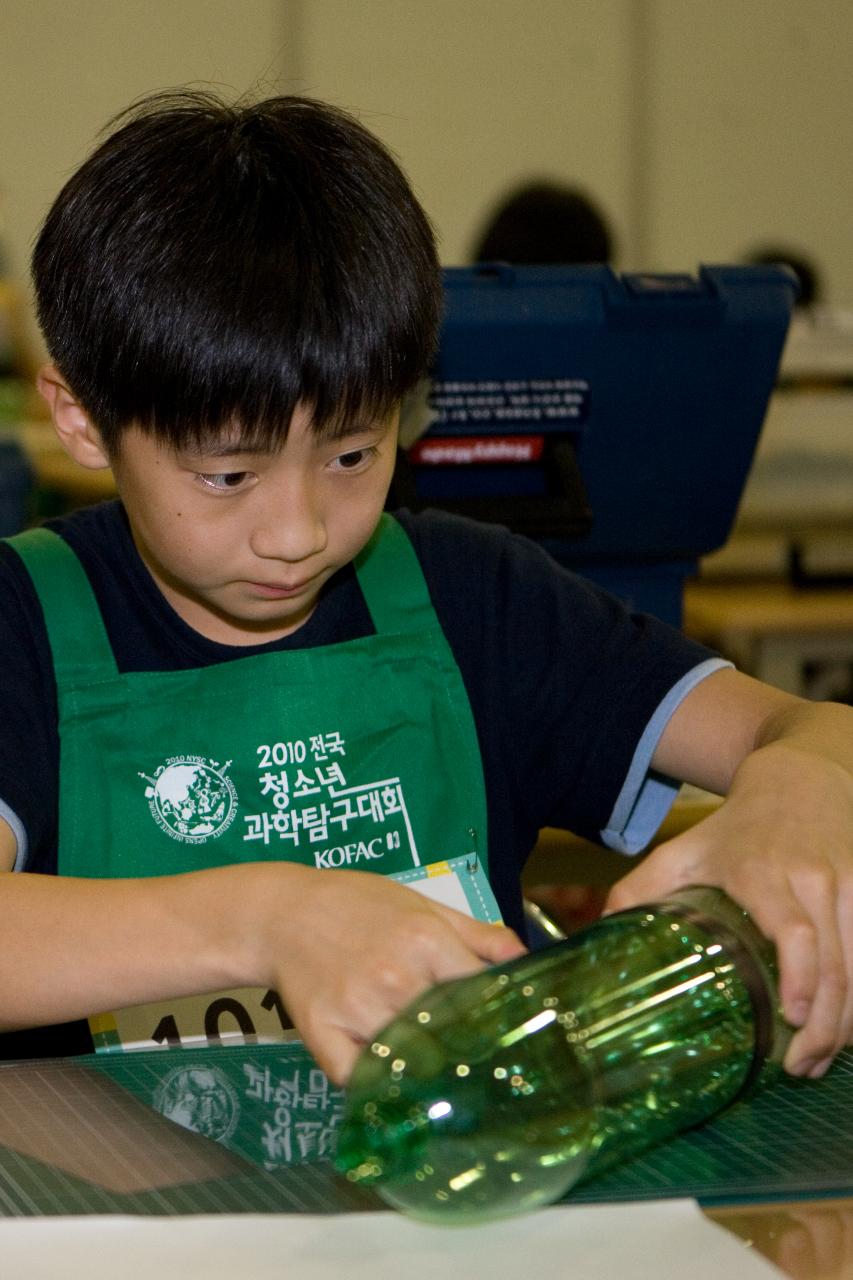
<point>781,844</point>
<point>346,950</point>
<point>7,847</point>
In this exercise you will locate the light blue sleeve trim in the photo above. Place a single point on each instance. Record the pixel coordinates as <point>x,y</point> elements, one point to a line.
<point>18,832</point>
<point>646,797</point>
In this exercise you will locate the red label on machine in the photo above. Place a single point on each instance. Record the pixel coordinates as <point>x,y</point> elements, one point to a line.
<point>464,450</point>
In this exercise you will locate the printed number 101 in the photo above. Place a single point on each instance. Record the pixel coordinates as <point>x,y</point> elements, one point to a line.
<point>167,1032</point>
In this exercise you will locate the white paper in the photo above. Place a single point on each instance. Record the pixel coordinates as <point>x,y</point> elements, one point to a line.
<point>657,1240</point>
<point>445,889</point>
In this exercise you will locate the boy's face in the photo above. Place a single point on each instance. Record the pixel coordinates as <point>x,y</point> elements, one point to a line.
<point>240,543</point>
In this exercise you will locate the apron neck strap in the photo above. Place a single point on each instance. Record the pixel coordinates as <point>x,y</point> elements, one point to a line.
<point>392,581</point>
<point>78,640</point>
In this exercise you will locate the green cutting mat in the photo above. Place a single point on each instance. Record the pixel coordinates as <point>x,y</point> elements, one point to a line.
<point>75,1141</point>
<point>792,1140</point>
<point>83,1136</point>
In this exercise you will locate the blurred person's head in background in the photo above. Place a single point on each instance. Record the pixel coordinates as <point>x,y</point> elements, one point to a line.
<point>808,277</point>
<point>545,222</point>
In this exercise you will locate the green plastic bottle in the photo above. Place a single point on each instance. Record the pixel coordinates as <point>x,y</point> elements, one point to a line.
<point>494,1094</point>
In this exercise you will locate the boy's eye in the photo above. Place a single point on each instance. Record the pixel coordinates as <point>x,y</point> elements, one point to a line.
<point>223,481</point>
<point>354,459</point>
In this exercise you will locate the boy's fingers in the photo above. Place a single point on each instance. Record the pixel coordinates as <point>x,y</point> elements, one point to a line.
<point>814,977</point>
<point>799,963</point>
<point>492,943</point>
<point>657,876</point>
<point>435,953</point>
<point>335,1052</point>
<point>845,931</point>
<point>452,954</point>
<point>811,925</point>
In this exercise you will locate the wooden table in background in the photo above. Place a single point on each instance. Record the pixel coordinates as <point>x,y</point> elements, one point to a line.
<point>771,628</point>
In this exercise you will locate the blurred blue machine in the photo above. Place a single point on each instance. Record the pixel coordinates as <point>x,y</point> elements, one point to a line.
<point>612,418</point>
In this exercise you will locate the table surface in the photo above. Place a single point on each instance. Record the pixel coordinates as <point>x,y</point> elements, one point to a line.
<point>806,1239</point>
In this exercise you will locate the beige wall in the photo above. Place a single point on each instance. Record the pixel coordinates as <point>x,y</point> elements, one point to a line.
<point>752,130</point>
<point>701,127</point>
<point>473,94</point>
<point>67,66</point>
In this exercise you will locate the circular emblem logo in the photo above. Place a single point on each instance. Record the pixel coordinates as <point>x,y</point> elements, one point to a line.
<point>201,1099</point>
<point>192,798</point>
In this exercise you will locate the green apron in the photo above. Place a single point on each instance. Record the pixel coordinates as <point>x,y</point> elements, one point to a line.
<point>360,755</point>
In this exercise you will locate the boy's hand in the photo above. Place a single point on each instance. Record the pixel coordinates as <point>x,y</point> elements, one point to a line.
<point>782,846</point>
<point>354,949</point>
<point>346,950</point>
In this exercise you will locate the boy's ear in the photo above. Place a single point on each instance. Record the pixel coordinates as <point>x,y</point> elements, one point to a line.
<point>77,433</point>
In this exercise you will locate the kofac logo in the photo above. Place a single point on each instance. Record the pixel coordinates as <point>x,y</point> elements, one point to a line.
<point>191,798</point>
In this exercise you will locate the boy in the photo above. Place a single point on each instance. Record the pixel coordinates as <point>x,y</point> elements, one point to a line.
<point>235,301</point>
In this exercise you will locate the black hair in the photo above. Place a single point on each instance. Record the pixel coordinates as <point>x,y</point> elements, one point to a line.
<point>545,222</point>
<point>215,264</point>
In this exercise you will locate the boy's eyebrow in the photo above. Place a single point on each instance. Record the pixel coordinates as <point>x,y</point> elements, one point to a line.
<point>233,448</point>
<point>220,449</point>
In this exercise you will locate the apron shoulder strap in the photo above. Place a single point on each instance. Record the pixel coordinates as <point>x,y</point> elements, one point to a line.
<point>388,569</point>
<point>392,581</point>
<point>75,629</point>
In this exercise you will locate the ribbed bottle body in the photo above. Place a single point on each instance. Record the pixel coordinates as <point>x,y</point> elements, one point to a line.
<point>494,1094</point>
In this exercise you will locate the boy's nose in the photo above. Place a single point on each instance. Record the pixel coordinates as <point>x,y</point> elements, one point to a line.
<point>291,527</point>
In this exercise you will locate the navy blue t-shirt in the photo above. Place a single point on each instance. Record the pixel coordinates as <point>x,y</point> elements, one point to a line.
<point>563,681</point>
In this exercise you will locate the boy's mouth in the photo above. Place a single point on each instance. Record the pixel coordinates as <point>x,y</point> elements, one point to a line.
<point>278,590</point>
